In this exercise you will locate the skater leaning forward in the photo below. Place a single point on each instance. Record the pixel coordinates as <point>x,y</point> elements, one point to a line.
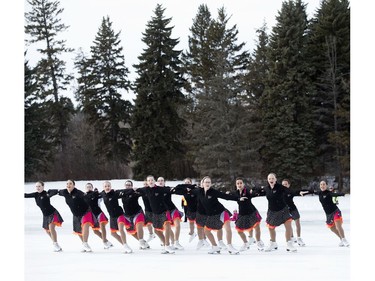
<point>83,217</point>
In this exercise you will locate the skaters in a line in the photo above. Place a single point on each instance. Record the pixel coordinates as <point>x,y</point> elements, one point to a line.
<point>277,213</point>
<point>83,217</point>
<point>288,197</point>
<point>92,198</point>
<point>51,217</point>
<point>117,220</point>
<point>248,215</point>
<point>334,218</point>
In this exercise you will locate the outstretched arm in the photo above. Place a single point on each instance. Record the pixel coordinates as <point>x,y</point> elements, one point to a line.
<point>337,194</point>
<point>311,191</point>
<point>57,191</point>
<point>30,195</point>
<point>52,192</point>
<point>226,196</point>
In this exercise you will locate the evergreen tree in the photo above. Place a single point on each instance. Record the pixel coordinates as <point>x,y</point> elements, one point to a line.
<point>329,50</point>
<point>288,148</point>
<point>197,62</point>
<point>157,126</point>
<point>43,27</point>
<point>102,81</point>
<point>198,68</point>
<point>39,148</point>
<point>218,86</point>
<point>256,80</point>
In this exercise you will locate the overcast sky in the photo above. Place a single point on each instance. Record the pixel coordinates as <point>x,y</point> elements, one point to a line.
<point>130,17</point>
<point>84,18</point>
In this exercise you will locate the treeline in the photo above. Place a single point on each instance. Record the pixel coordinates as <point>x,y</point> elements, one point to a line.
<point>213,109</point>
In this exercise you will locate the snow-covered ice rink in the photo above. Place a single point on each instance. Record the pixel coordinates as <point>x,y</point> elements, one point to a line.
<point>321,258</point>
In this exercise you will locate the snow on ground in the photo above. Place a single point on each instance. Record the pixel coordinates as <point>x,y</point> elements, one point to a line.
<point>321,259</point>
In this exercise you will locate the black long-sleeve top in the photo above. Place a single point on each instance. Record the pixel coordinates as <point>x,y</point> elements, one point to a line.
<point>76,201</point>
<point>325,198</point>
<point>42,200</point>
<point>168,200</point>
<point>110,200</point>
<point>275,197</point>
<point>200,208</point>
<point>146,203</point>
<point>130,202</point>
<point>190,196</point>
<point>288,197</point>
<point>92,198</point>
<point>156,197</point>
<point>246,207</point>
<point>210,200</point>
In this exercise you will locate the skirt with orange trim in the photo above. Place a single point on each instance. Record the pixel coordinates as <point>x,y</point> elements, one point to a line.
<point>133,221</point>
<point>148,217</point>
<point>176,214</point>
<point>248,222</point>
<point>277,218</point>
<point>54,218</point>
<point>79,221</point>
<point>216,222</point>
<point>191,216</point>
<point>159,220</point>
<point>102,219</point>
<point>332,217</point>
<point>200,220</point>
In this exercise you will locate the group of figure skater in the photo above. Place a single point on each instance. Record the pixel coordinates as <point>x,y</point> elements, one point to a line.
<point>205,214</point>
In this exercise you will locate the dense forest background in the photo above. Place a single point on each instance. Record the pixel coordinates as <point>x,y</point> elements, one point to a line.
<point>213,109</point>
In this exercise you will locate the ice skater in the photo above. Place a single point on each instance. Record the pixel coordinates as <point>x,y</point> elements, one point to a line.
<point>277,213</point>
<point>248,216</point>
<point>334,218</point>
<point>148,215</point>
<point>176,216</point>
<point>117,220</point>
<point>83,217</point>
<point>134,213</point>
<point>190,207</point>
<point>217,215</point>
<point>51,216</point>
<point>92,198</point>
<point>288,197</point>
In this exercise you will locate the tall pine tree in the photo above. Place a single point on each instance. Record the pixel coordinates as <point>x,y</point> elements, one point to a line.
<point>216,71</point>
<point>43,28</point>
<point>329,51</point>
<point>288,134</point>
<point>102,83</point>
<point>256,80</point>
<point>39,147</point>
<point>157,125</point>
